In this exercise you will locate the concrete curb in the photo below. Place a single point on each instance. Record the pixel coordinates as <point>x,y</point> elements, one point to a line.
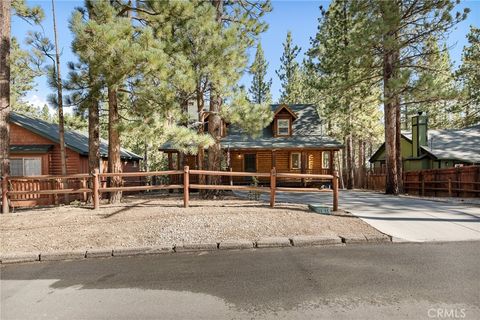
<point>99,253</point>
<point>62,255</point>
<point>274,242</point>
<point>142,251</point>
<point>271,242</point>
<point>351,238</point>
<point>188,247</point>
<point>130,251</point>
<point>235,244</point>
<point>305,241</point>
<point>378,238</point>
<point>19,257</point>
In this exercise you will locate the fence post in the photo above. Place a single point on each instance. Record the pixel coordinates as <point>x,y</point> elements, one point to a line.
<point>84,186</point>
<point>57,186</point>
<point>96,196</point>
<point>450,187</point>
<point>231,177</point>
<point>5,207</point>
<point>186,185</point>
<point>335,190</point>
<point>273,186</point>
<point>422,180</point>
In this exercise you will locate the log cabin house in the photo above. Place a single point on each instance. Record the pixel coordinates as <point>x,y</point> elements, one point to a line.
<point>35,151</point>
<point>293,142</point>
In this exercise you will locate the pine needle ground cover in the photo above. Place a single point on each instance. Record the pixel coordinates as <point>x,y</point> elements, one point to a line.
<point>149,221</point>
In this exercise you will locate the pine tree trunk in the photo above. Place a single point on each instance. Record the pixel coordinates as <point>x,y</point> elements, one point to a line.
<point>391,99</point>
<point>361,164</point>
<point>215,121</point>
<point>390,112</point>
<point>114,161</point>
<point>214,151</point>
<point>93,134</point>
<point>61,121</point>
<point>4,88</point>
<point>145,156</point>
<point>201,130</point>
<point>350,162</point>
<point>398,140</point>
<point>93,116</point>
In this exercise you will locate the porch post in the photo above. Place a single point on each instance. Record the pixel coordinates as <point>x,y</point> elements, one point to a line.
<point>302,167</point>
<point>332,163</point>
<point>170,164</point>
<point>335,191</point>
<point>274,158</point>
<point>186,186</point>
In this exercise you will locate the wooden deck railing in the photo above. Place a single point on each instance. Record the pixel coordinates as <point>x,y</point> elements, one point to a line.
<point>96,188</point>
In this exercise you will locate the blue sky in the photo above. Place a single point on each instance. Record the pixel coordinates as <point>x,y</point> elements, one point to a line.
<point>299,17</point>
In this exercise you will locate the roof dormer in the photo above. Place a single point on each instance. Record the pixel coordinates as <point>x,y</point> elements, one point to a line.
<point>282,121</point>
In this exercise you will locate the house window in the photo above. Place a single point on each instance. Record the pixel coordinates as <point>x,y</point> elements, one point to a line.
<point>295,160</point>
<point>326,159</point>
<point>26,167</point>
<point>283,127</point>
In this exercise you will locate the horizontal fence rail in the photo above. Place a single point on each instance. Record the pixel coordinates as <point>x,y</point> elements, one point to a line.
<point>445,182</point>
<point>96,189</point>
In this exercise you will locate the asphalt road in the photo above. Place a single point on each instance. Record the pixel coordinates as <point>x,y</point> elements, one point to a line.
<point>385,281</point>
<point>410,219</point>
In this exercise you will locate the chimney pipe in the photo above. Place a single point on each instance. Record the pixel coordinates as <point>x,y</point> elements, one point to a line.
<point>419,133</point>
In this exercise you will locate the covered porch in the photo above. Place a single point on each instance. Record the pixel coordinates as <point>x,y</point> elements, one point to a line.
<point>309,161</point>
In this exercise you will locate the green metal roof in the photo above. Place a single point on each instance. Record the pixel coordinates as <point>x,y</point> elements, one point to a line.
<point>448,144</point>
<point>32,148</point>
<point>74,140</point>
<point>306,133</point>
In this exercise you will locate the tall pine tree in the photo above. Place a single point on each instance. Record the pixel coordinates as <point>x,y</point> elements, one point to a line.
<point>260,88</point>
<point>289,72</point>
<point>469,75</point>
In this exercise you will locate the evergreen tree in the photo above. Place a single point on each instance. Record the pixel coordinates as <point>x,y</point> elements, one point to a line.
<point>58,85</point>
<point>260,88</point>
<point>22,79</point>
<point>469,74</point>
<point>386,44</point>
<point>435,91</point>
<point>116,51</point>
<point>288,73</point>
<point>34,14</point>
<point>85,87</point>
<point>45,113</point>
<point>393,35</point>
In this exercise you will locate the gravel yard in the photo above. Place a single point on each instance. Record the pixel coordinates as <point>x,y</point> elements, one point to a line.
<point>161,219</point>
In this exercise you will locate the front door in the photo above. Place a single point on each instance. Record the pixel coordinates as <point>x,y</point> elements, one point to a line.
<point>250,162</point>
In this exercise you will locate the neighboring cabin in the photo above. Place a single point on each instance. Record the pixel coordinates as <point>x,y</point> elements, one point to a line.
<point>35,151</point>
<point>292,142</point>
<point>432,149</point>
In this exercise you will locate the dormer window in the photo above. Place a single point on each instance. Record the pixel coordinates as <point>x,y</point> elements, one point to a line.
<point>283,127</point>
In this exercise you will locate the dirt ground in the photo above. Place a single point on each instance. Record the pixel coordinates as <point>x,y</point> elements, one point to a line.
<point>161,219</point>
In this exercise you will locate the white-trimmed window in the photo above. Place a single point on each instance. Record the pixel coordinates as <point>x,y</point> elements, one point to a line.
<point>295,160</point>
<point>326,159</point>
<point>25,167</point>
<point>283,127</point>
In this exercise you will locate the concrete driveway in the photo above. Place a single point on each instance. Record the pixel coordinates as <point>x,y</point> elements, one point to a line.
<point>403,218</point>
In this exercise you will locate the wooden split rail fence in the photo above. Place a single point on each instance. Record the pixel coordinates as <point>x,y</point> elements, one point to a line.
<point>96,188</point>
